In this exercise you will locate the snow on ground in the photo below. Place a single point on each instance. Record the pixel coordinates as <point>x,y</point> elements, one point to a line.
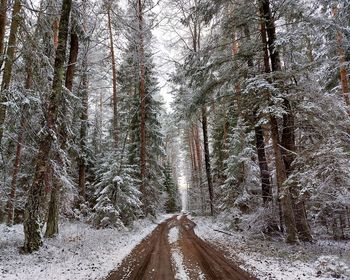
<point>181,270</point>
<point>277,260</point>
<point>78,252</point>
<point>173,235</point>
<point>176,254</point>
<point>177,258</point>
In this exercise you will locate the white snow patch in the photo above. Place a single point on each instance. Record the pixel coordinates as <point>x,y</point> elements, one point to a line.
<point>331,266</point>
<point>177,258</point>
<point>79,252</point>
<point>276,260</point>
<point>173,235</point>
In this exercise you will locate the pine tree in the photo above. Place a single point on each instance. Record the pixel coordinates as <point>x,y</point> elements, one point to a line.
<point>172,201</point>
<point>146,145</point>
<point>33,239</point>
<point>241,172</point>
<point>10,56</point>
<point>117,195</point>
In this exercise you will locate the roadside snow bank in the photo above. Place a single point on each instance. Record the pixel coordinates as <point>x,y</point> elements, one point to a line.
<point>276,260</point>
<point>79,252</point>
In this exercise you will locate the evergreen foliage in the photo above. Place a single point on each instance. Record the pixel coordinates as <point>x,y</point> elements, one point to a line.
<point>259,118</point>
<point>117,196</point>
<point>172,200</point>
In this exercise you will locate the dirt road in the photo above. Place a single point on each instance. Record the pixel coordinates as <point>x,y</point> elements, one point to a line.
<point>174,251</point>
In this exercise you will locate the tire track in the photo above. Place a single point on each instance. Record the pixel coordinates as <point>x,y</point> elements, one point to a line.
<point>155,259</point>
<point>210,260</point>
<point>151,259</point>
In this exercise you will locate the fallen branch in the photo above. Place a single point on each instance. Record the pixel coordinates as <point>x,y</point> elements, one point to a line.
<point>224,232</point>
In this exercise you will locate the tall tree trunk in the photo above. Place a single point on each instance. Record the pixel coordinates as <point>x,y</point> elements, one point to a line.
<point>207,158</point>
<point>99,124</point>
<point>281,173</point>
<point>73,57</point>
<point>195,171</point>
<point>83,118</point>
<point>32,234</point>
<point>114,81</point>
<point>342,61</point>
<point>55,29</point>
<point>281,176</point>
<point>193,149</point>
<point>53,215</point>
<point>264,170</point>
<point>198,152</point>
<point>198,148</point>
<point>259,132</point>
<point>20,140</point>
<point>267,69</point>
<point>3,18</point>
<point>16,167</point>
<point>83,129</point>
<point>192,156</point>
<point>10,56</point>
<point>288,137</point>
<point>288,152</point>
<point>142,90</point>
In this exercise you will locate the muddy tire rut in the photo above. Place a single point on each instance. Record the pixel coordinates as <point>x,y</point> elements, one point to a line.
<point>152,258</point>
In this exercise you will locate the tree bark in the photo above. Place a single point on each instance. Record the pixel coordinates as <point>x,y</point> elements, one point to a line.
<point>142,91</point>
<point>16,167</point>
<point>264,169</point>
<point>288,134</point>
<point>207,158</point>
<point>10,56</point>
<point>281,176</point>
<point>83,130</point>
<point>32,234</point>
<point>198,149</point>
<point>192,155</point>
<point>18,157</point>
<point>268,25</point>
<point>73,57</point>
<point>288,152</point>
<point>199,157</point>
<point>259,132</point>
<point>53,216</point>
<point>55,29</point>
<point>195,171</point>
<point>83,119</point>
<point>193,150</point>
<point>3,18</point>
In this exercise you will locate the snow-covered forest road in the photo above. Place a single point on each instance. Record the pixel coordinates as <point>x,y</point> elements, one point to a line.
<point>119,119</point>
<point>174,251</point>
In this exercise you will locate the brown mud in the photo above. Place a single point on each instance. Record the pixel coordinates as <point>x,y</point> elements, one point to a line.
<point>151,259</point>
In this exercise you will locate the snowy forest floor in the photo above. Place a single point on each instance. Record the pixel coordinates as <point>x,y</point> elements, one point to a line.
<point>273,259</point>
<point>78,252</point>
<point>81,252</point>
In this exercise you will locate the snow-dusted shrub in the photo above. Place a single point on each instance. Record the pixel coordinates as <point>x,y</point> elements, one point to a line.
<point>231,219</point>
<point>260,221</point>
<point>325,177</point>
